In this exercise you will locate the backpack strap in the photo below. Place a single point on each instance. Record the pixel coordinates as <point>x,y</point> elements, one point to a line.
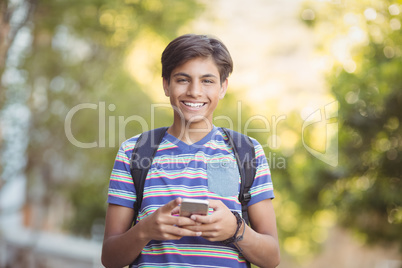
<point>244,152</point>
<point>141,160</point>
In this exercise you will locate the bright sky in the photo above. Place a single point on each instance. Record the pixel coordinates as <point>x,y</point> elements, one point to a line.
<point>273,53</point>
<point>275,66</point>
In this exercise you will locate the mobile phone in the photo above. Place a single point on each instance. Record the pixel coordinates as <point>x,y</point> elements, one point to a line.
<point>190,206</point>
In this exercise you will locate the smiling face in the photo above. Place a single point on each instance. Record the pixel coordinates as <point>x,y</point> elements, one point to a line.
<point>194,91</point>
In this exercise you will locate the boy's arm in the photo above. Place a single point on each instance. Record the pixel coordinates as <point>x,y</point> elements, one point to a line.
<point>122,243</point>
<point>260,243</point>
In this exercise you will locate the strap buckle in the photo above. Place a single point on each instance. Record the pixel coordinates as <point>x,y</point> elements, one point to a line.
<point>246,197</point>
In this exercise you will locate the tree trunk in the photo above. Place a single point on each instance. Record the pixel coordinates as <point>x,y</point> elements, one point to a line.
<point>8,32</point>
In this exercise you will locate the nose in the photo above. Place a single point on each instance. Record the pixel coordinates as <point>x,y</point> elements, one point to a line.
<point>195,89</point>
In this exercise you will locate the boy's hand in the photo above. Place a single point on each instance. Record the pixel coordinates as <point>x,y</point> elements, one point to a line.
<point>162,225</point>
<point>218,226</point>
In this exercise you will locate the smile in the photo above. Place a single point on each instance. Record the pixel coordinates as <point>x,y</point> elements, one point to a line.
<point>194,104</point>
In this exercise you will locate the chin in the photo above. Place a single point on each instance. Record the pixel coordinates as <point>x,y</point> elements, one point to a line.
<point>198,119</point>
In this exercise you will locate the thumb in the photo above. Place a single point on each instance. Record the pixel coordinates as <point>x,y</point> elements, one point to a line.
<point>167,208</point>
<point>215,204</point>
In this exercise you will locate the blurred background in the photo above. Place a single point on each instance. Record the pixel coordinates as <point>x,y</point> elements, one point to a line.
<point>317,83</point>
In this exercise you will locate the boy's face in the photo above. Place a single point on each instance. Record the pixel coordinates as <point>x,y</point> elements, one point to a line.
<point>195,90</point>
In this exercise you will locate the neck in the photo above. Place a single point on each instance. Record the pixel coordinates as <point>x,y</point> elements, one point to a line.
<point>190,132</point>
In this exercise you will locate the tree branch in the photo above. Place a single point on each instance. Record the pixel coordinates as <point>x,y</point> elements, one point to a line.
<point>8,33</point>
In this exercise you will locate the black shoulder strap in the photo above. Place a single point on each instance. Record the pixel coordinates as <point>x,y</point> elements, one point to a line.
<point>141,160</point>
<point>243,149</point>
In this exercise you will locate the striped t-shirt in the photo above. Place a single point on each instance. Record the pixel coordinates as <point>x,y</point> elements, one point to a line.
<point>204,170</point>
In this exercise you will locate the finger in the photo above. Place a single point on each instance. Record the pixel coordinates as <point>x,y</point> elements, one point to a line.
<point>215,204</point>
<point>183,221</point>
<point>196,228</point>
<point>180,232</point>
<point>203,219</point>
<point>211,236</point>
<point>167,208</point>
<point>175,211</point>
<point>209,232</point>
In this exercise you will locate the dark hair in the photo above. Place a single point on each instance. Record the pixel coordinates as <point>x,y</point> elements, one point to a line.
<point>190,46</point>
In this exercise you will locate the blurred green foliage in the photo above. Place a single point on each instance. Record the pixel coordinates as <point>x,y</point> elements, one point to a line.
<point>77,56</point>
<point>363,42</point>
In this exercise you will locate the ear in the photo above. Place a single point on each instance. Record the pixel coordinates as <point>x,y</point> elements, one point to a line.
<point>166,87</point>
<point>224,87</point>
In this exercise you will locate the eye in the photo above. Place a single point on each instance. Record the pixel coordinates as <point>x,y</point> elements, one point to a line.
<point>182,80</point>
<point>207,81</point>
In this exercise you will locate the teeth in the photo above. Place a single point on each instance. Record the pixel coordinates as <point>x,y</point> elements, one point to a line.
<point>192,104</point>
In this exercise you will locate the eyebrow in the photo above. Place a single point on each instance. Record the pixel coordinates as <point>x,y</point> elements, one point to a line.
<point>187,75</point>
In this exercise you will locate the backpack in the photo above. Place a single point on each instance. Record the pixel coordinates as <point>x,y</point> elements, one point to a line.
<point>148,143</point>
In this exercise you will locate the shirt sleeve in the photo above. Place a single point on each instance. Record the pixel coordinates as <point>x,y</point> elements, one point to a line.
<point>262,187</point>
<point>121,186</point>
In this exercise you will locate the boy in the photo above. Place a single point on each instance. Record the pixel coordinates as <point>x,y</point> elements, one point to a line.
<point>195,70</point>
